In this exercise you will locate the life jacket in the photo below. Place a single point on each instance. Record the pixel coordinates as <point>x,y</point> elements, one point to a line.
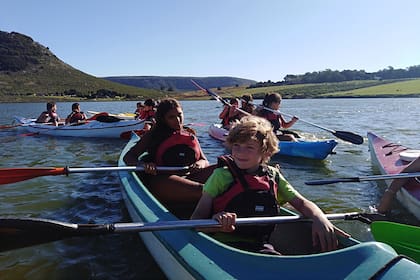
<point>249,196</point>
<point>52,116</point>
<point>272,118</point>
<point>147,115</point>
<point>227,120</point>
<point>179,149</point>
<point>75,116</point>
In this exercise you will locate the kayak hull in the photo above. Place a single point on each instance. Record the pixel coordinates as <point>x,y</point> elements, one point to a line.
<point>91,129</point>
<point>318,150</point>
<point>187,254</point>
<point>386,156</point>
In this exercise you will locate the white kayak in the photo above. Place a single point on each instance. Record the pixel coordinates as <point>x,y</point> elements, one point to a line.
<point>107,128</point>
<point>305,149</point>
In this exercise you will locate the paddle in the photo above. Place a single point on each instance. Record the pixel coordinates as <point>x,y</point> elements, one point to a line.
<point>363,178</point>
<point>13,175</point>
<point>18,233</point>
<point>405,239</point>
<point>218,98</point>
<point>343,135</point>
<point>9,126</point>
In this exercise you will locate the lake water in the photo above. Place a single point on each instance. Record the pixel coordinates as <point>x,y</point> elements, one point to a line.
<point>96,197</point>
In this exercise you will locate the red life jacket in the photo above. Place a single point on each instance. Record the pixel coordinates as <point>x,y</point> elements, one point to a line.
<point>253,184</point>
<point>179,149</point>
<point>249,196</point>
<point>75,116</point>
<point>52,116</point>
<point>147,115</point>
<point>272,118</point>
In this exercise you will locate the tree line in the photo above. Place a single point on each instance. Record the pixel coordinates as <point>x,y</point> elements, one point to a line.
<point>335,76</point>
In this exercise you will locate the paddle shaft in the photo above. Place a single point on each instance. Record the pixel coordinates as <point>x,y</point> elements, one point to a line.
<point>343,135</point>
<point>217,97</point>
<point>13,175</point>
<point>291,116</point>
<point>18,233</point>
<point>207,223</point>
<point>40,225</point>
<point>123,168</point>
<point>363,178</point>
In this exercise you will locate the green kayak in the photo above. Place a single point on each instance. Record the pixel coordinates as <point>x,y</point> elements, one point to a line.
<point>405,239</point>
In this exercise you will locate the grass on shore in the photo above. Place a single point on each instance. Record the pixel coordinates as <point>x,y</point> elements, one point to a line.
<point>372,88</point>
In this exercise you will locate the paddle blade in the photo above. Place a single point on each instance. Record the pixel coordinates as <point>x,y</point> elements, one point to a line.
<point>13,175</point>
<point>9,126</point>
<point>405,239</point>
<point>20,233</point>
<point>349,137</point>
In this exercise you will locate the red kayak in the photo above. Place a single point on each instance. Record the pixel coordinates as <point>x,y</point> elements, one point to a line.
<point>391,158</point>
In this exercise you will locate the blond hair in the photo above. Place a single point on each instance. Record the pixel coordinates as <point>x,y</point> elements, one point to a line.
<point>254,128</point>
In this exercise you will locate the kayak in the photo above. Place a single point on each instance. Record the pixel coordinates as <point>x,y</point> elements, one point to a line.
<point>189,254</point>
<point>403,238</point>
<point>107,128</point>
<point>389,158</point>
<point>305,149</point>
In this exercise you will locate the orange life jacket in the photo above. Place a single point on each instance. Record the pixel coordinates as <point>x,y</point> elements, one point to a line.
<point>180,149</point>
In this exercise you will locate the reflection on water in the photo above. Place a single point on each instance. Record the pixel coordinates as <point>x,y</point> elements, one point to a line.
<point>96,197</point>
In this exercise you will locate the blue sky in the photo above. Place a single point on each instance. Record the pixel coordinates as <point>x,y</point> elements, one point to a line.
<point>259,40</point>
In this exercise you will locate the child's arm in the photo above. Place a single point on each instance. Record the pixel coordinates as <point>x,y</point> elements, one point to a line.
<point>132,157</point>
<point>396,185</point>
<point>203,211</point>
<point>288,124</point>
<point>203,208</point>
<point>225,111</point>
<point>323,231</point>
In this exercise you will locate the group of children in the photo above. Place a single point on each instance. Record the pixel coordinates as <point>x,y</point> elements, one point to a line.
<point>242,184</point>
<point>51,116</point>
<point>269,110</point>
<point>145,112</point>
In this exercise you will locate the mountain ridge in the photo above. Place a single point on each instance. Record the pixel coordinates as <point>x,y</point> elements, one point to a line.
<point>179,83</point>
<point>29,71</point>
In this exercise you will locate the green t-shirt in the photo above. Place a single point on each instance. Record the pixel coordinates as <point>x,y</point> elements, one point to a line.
<point>221,179</point>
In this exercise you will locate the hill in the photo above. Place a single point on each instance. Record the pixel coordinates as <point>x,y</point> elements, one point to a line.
<point>31,72</point>
<point>179,83</point>
<point>348,89</point>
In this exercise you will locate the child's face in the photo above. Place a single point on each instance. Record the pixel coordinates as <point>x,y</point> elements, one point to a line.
<point>174,118</point>
<point>275,105</point>
<point>247,155</point>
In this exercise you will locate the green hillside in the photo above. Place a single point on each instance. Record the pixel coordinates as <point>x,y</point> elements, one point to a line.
<point>407,88</point>
<point>371,88</point>
<point>31,72</point>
